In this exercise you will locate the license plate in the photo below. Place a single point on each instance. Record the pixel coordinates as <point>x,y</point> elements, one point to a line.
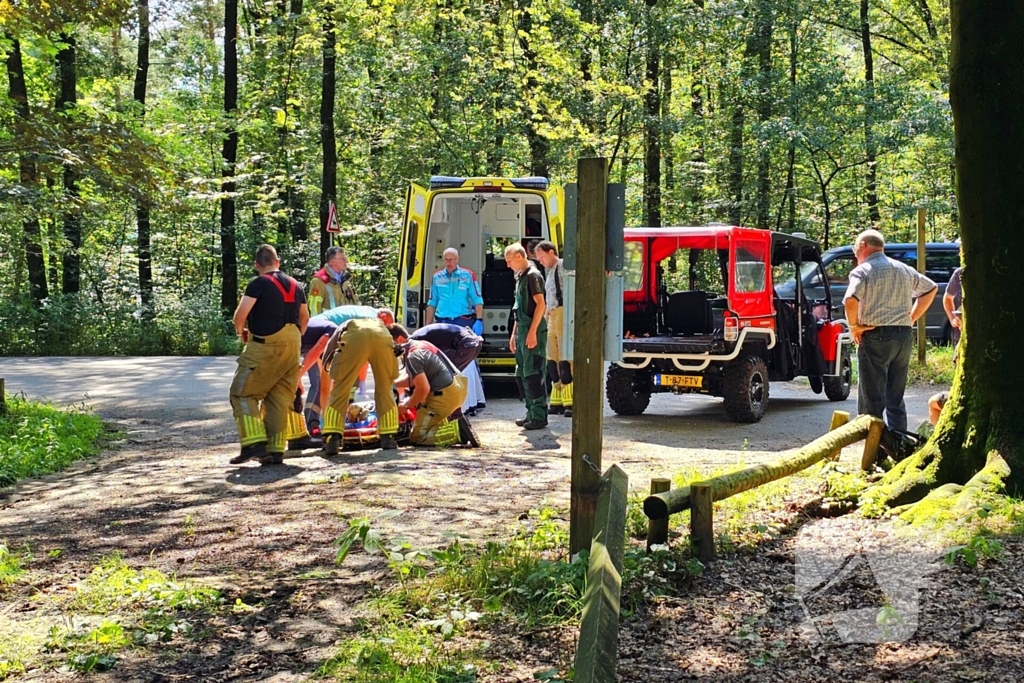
<point>679,380</point>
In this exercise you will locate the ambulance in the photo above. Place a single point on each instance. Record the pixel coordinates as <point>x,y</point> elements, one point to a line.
<point>479,217</point>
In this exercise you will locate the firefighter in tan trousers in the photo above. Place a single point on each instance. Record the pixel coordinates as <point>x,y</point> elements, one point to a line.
<point>438,389</point>
<point>269,319</point>
<point>354,344</point>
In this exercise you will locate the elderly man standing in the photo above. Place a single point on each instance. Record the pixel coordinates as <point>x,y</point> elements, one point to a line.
<point>455,299</point>
<point>529,336</point>
<point>331,286</point>
<point>884,300</point>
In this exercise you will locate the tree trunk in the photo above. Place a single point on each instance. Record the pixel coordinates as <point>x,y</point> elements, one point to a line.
<point>28,175</point>
<point>67,99</point>
<point>328,138</point>
<point>979,436</point>
<point>789,198</point>
<point>666,116</point>
<point>229,155</point>
<point>533,101</point>
<point>145,265</point>
<point>870,147</point>
<point>652,123</point>
<point>765,33</point>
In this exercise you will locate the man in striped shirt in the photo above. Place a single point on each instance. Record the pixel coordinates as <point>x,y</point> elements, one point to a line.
<point>884,300</point>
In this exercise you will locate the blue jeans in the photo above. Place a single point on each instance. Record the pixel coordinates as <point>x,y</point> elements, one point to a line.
<point>883,359</point>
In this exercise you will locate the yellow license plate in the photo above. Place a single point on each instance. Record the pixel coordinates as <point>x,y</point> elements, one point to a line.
<point>695,381</point>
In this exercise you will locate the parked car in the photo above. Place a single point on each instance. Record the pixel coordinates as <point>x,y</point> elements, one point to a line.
<point>941,259</point>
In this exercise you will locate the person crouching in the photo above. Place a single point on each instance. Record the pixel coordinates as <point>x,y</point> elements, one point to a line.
<point>437,390</point>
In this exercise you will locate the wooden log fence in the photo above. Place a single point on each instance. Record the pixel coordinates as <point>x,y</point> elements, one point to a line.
<point>597,649</point>
<point>659,506</point>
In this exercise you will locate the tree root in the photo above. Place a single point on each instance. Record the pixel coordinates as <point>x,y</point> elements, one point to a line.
<point>908,482</point>
<point>945,503</point>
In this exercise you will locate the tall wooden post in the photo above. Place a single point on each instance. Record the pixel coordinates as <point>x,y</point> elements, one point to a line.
<point>3,398</point>
<point>588,350</point>
<point>921,263</point>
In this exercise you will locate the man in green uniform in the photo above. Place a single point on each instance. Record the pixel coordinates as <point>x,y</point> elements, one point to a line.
<point>529,336</point>
<point>269,319</point>
<point>356,343</point>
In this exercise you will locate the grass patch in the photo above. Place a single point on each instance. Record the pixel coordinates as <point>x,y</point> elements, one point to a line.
<point>937,368</point>
<point>415,628</point>
<point>12,564</point>
<point>37,438</point>
<point>114,608</point>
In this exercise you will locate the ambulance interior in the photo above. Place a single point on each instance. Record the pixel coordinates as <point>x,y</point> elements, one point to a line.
<point>480,226</point>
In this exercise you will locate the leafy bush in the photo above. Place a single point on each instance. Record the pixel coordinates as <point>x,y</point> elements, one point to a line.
<point>38,438</point>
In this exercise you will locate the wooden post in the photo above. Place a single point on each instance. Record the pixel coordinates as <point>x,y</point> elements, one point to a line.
<point>598,647</point>
<point>922,336</point>
<point>839,418</point>
<point>657,529</point>
<point>871,442</point>
<point>588,350</point>
<point>3,398</point>
<point>702,533</point>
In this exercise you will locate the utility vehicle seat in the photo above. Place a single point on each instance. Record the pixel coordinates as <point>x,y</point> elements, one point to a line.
<point>688,313</point>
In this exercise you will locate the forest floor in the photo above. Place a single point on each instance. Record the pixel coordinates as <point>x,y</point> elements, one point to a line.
<point>166,499</point>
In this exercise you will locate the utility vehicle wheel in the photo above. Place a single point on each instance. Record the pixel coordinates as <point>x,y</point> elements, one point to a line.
<point>745,389</point>
<point>629,391</point>
<point>838,388</point>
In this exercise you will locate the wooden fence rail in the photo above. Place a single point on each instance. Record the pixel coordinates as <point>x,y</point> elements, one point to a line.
<point>597,650</point>
<point>659,506</point>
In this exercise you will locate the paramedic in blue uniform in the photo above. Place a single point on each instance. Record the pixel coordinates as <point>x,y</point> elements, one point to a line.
<point>455,299</point>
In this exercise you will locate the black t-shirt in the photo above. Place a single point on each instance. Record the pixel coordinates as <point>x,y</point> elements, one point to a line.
<point>270,312</point>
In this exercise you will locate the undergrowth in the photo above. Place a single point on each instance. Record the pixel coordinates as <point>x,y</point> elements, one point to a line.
<point>114,608</point>
<point>37,438</point>
<point>440,595</point>
<point>937,368</point>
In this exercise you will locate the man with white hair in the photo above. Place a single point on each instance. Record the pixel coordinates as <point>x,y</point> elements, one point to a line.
<point>884,300</point>
<point>455,299</point>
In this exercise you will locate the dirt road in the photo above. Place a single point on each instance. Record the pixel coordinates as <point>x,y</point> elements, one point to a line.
<point>168,497</point>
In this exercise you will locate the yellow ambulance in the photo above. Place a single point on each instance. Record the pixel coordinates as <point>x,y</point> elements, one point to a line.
<point>479,217</point>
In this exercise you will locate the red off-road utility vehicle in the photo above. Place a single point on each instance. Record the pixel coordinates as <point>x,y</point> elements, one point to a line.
<point>702,315</point>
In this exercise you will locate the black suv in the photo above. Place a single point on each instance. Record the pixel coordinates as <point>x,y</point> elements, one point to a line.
<point>941,259</point>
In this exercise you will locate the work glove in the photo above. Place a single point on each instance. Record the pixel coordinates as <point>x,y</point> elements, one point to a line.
<point>478,327</point>
<point>297,405</point>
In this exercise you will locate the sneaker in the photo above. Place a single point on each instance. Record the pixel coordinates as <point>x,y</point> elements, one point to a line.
<point>305,443</point>
<point>471,412</point>
<point>567,412</point>
<point>480,406</point>
<point>255,450</point>
<point>535,424</point>
<point>467,435</point>
<point>332,446</point>
<point>556,410</point>
<point>520,422</point>
<point>272,459</point>
<point>388,442</point>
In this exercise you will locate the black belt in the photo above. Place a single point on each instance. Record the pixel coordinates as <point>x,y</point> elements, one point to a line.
<point>258,340</point>
<point>888,327</point>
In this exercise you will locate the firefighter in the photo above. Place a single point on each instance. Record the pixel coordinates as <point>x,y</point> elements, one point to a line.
<point>438,390</point>
<point>559,370</point>
<point>529,337</point>
<point>357,342</point>
<point>331,286</point>
<point>269,319</point>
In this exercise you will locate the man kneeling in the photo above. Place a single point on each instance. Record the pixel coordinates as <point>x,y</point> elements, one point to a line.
<point>438,390</point>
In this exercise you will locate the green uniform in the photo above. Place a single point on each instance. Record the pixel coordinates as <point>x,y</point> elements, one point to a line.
<point>530,362</point>
<point>263,389</point>
<point>363,341</point>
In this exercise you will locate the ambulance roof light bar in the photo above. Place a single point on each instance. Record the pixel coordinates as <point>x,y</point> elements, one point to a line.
<point>439,182</point>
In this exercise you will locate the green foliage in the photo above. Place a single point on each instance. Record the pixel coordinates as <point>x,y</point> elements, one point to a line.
<point>938,366</point>
<point>12,564</point>
<point>38,438</point>
<point>115,586</point>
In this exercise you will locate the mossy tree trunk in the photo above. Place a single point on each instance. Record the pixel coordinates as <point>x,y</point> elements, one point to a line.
<point>979,441</point>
